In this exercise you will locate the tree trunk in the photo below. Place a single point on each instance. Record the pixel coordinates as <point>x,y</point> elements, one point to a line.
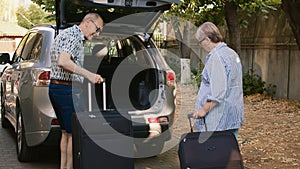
<point>184,51</point>
<point>291,9</point>
<point>231,17</point>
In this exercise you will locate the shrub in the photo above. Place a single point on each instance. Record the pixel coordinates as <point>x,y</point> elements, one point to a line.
<point>252,83</point>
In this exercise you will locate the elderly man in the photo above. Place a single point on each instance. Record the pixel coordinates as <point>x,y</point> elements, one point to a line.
<point>67,55</point>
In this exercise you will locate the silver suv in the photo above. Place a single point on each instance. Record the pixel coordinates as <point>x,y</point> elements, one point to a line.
<point>24,93</point>
<point>138,79</point>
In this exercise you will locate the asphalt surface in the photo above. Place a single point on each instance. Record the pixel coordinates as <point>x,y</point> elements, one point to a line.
<point>49,156</point>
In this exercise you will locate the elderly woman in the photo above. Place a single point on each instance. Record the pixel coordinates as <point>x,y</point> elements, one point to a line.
<point>219,104</point>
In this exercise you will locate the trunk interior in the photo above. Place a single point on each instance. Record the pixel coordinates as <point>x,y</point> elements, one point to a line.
<point>140,91</point>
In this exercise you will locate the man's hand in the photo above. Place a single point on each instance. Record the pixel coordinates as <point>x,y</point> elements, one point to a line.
<point>95,78</point>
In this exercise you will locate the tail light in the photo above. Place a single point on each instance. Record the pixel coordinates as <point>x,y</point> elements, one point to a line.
<point>170,79</point>
<point>54,122</point>
<point>153,120</point>
<point>45,75</point>
<point>41,78</point>
<point>162,119</point>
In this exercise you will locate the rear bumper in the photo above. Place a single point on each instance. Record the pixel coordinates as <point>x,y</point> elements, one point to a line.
<point>142,131</point>
<point>141,123</point>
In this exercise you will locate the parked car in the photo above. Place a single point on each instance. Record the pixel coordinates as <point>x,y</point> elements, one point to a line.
<point>148,84</point>
<point>4,60</point>
<point>24,93</point>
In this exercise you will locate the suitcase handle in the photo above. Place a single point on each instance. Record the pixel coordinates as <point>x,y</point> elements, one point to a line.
<point>90,96</point>
<point>104,94</point>
<point>190,116</point>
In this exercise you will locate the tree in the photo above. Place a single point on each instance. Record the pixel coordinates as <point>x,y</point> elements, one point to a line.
<point>32,16</point>
<point>220,12</point>
<point>47,5</point>
<point>291,9</point>
<point>223,12</point>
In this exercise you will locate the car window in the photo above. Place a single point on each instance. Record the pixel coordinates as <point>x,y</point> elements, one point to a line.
<point>129,47</point>
<point>28,46</point>
<point>112,48</point>
<point>20,48</point>
<point>37,46</point>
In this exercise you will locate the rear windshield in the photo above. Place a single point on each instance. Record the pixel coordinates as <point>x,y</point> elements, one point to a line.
<point>118,49</point>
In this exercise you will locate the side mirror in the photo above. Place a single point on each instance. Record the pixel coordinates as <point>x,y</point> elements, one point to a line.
<point>4,58</point>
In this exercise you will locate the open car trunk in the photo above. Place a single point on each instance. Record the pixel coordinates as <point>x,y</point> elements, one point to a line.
<point>70,12</point>
<point>131,76</point>
<point>136,66</point>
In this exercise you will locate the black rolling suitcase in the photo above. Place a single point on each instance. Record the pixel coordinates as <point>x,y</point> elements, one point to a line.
<point>207,150</point>
<point>102,139</point>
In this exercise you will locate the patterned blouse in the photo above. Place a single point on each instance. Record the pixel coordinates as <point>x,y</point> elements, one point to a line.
<point>69,40</point>
<point>221,82</point>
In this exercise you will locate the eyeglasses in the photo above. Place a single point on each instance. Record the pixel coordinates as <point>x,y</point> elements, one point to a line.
<point>98,30</point>
<point>200,41</point>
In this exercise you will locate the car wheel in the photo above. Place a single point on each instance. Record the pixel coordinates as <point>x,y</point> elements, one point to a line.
<point>4,121</point>
<point>148,149</point>
<point>24,152</point>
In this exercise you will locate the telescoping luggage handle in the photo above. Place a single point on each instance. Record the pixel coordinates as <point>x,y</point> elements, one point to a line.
<point>190,116</point>
<point>104,94</point>
<point>90,95</point>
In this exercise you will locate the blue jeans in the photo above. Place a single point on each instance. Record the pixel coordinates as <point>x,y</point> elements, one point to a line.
<point>235,132</point>
<point>66,100</point>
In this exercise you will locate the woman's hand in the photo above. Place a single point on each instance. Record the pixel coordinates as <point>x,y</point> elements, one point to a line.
<point>199,113</point>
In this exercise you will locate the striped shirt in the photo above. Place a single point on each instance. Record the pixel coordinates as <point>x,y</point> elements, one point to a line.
<point>221,82</point>
<point>69,40</point>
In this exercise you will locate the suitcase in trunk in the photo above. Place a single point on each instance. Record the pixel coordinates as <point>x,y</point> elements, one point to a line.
<point>102,139</point>
<point>209,150</point>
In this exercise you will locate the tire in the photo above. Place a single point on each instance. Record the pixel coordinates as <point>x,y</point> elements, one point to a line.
<point>4,122</point>
<point>24,153</point>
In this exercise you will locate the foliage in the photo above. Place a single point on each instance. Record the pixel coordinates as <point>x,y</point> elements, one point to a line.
<point>34,15</point>
<point>47,5</point>
<point>196,74</point>
<point>213,10</point>
<point>252,83</point>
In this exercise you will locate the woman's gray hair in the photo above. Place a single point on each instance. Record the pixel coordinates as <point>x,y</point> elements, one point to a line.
<point>210,30</point>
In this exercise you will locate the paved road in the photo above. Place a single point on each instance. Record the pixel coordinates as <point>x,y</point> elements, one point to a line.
<point>49,157</point>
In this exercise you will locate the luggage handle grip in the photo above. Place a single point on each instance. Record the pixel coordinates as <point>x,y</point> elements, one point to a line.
<point>90,96</point>
<point>104,94</point>
<point>190,116</point>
